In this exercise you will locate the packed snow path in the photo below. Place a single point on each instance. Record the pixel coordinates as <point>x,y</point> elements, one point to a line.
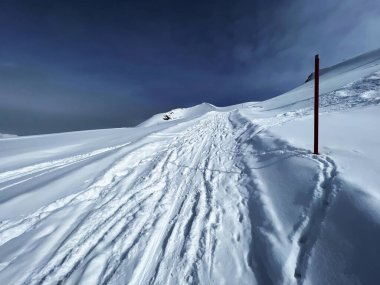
<point>187,207</point>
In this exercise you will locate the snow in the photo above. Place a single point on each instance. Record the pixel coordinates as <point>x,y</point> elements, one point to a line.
<point>5,136</point>
<point>214,195</point>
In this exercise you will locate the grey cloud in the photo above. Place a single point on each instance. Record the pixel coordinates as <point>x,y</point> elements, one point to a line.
<point>113,65</point>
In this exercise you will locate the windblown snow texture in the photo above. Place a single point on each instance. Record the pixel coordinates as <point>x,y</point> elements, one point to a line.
<point>214,195</point>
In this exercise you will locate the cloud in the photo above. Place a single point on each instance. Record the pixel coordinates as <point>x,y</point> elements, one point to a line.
<point>281,54</point>
<point>113,64</point>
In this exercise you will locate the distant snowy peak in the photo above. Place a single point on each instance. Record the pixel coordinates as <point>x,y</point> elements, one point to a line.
<point>179,113</point>
<point>185,114</point>
<point>332,78</point>
<point>372,57</point>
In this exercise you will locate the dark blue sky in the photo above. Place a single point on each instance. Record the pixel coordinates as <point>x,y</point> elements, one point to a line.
<point>72,65</point>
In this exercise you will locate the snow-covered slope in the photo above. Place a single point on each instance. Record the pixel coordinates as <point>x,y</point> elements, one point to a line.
<point>213,195</point>
<point>185,114</point>
<point>2,136</point>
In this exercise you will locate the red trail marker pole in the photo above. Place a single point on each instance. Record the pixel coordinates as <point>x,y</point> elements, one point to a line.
<point>316,104</point>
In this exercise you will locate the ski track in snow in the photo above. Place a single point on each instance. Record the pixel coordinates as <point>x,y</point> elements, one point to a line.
<point>160,213</point>
<point>311,224</point>
<point>160,217</point>
<point>306,230</point>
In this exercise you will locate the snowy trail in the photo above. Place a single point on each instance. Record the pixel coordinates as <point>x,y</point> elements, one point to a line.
<point>305,229</point>
<point>310,226</point>
<point>227,195</point>
<point>100,203</point>
<point>166,212</point>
